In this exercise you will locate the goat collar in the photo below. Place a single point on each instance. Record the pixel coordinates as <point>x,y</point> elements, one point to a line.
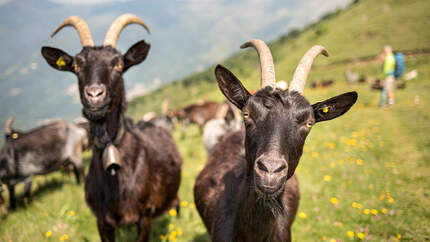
<point>102,145</point>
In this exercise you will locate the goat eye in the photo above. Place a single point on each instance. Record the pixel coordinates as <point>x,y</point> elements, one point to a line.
<point>309,124</point>
<point>75,67</point>
<point>245,115</point>
<point>119,67</point>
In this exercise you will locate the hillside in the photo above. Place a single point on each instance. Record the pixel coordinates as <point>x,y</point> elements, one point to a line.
<point>361,30</point>
<point>363,176</point>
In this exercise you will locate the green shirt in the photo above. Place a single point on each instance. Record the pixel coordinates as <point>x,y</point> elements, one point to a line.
<point>389,65</point>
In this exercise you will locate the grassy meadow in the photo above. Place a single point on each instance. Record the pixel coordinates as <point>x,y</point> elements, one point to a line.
<point>363,176</point>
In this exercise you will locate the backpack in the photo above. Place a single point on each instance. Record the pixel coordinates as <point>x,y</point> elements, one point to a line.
<point>400,64</point>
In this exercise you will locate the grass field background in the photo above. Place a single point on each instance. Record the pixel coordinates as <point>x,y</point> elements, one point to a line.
<point>363,176</point>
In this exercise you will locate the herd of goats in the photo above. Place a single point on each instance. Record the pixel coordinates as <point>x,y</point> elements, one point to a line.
<point>247,190</point>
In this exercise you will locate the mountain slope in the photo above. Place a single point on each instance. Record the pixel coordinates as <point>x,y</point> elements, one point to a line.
<point>360,30</point>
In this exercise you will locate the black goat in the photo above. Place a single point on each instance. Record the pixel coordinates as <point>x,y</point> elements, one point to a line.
<point>39,151</point>
<point>134,173</point>
<point>247,190</point>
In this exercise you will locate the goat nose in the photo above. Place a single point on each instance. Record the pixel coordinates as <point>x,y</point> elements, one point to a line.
<point>271,166</point>
<point>95,94</point>
<point>94,91</point>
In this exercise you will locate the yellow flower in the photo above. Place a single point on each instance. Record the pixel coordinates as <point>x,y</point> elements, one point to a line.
<point>360,235</point>
<point>390,200</point>
<point>192,205</point>
<point>354,204</point>
<point>350,234</point>
<point>327,178</point>
<point>359,205</point>
<point>399,236</point>
<point>366,211</point>
<point>171,226</point>
<point>324,238</point>
<point>359,162</point>
<point>371,186</point>
<point>173,234</point>
<point>184,203</point>
<point>332,164</point>
<point>172,212</point>
<point>374,211</point>
<point>303,215</point>
<point>381,197</point>
<point>384,211</point>
<point>179,231</point>
<point>72,213</point>
<point>64,237</point>
<point>332,240</point>
<point>334,200</point>
<point>314,154</point>
<point>48,234</point>
<point>162,237</point>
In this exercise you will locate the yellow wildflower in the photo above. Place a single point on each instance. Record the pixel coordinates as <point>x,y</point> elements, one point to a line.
<point>192,205</point>
<point>171,226</point>
<point>327,178</point>
<point>390,200</point>
<point>359,162</point>
<point>384,211</point>
<point>172,212</point>
<point>332,240</point>
<point>360,235</point>
<point>381,197</point>
<point>399,236</point>
<point>64,237</point>
<point>324,238</point>
<point>359,205</point>
<point>72,213</point>
<point>303,215</point>
<point>48,234</point>
<point>371,186</point>
<point>334,200</point>
<point>350,234</point>
<point>374,211</point>
<point>162,237</point>
<point>179,231</point>
<point>315,154</point>
<point>184,203</point>
<point>366,211</point>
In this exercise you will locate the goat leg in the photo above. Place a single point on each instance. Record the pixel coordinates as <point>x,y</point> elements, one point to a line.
<point>12,198</point>
<point>106,231</point>
<point>144,229</point>
<point>27,189</point>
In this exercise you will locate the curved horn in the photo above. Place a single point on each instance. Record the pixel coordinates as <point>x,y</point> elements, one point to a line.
<point>81,26</point>
<point>8,126</point>
<point>304,67</point>
<point>266,62</point>
<point>118,25</point>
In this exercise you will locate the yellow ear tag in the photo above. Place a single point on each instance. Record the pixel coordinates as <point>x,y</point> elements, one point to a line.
<point>15,136</point>
<point>325,109</point>
<point>60,62</point>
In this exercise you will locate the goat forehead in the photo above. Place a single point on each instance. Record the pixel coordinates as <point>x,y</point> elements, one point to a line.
<point>98,55</point>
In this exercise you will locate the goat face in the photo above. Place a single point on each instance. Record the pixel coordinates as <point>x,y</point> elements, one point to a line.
<point>99,71</point>
<point>277,123</point>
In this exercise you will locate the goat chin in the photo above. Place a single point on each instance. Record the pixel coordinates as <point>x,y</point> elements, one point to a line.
<point>95,115</point>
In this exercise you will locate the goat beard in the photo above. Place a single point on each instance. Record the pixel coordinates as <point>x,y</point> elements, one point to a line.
<point>273,203</point>
<point>95,115</point>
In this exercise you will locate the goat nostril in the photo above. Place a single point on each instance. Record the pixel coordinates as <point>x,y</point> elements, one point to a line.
<point>261,166</point>
<point>280,169</point>
<point>99,93</point>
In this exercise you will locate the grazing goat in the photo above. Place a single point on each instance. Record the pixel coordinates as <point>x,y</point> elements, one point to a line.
<point>200,114</point>
<point>134,173</point>
<point>39,151</point>
<point>247,190</point>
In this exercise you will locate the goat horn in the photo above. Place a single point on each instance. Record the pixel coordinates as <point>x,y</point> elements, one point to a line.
<point>81,26</point>
<point>118,25</point>
<point>8,126</point>
<point>267,67</point>
<point>304,67</point>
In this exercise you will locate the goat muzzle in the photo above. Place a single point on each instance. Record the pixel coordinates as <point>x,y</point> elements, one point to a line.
<point>111,159</point>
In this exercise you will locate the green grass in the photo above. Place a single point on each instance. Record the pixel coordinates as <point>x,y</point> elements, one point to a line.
<point>364,158</point>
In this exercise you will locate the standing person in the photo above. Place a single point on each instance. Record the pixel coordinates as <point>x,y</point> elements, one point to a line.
<point>388,69</point>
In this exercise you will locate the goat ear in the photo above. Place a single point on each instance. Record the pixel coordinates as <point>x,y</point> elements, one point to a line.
<point>136,54</point>
<point>334,107</point>
<point>57,58</point>
<point>231,87</point>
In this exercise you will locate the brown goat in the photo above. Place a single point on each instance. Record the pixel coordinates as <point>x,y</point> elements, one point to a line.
<point>134,173</point>
<point>247,190</point>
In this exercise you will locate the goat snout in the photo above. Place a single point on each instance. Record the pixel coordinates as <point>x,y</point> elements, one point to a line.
<point>270,173</point>
<point>95,94</point>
